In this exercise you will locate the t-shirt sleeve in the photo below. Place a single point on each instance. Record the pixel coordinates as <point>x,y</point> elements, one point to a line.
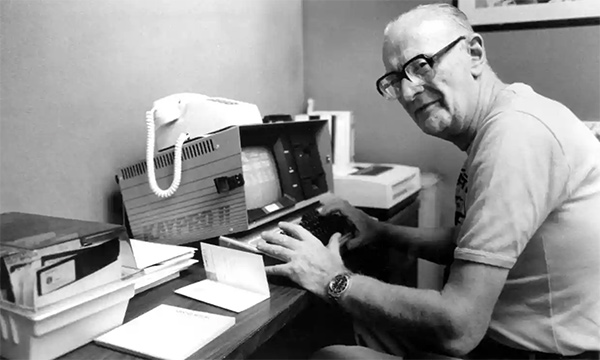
<point>517,174</point>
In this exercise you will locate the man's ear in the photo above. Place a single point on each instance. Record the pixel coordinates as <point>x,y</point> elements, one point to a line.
<point>477,54</point>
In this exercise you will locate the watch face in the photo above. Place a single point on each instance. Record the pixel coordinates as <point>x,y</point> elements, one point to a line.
<point>338,285</point>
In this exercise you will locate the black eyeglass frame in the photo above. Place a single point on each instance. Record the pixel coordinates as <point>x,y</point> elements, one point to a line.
<point>431,60</point>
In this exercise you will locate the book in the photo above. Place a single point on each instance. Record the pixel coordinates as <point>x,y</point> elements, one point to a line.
<point>166,332</point>
<point>236,280</point>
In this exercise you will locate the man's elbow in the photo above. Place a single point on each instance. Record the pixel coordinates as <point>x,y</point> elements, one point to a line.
<point>460,347</point>
<point>461,339</point>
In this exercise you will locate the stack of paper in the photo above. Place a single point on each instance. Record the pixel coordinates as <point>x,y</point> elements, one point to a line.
<point>150,264</point>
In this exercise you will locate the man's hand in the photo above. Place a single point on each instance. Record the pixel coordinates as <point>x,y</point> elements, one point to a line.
<point>367,227</point>
<point>308,262</point>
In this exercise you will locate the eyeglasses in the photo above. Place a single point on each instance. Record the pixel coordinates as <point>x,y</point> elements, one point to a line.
<point>418,70</point>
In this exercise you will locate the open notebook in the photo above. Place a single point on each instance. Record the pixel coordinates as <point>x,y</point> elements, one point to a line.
<point>236,280</point>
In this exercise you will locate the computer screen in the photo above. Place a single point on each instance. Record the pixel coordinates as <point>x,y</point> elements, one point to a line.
<point>260,176</point>
<point>281,165</point>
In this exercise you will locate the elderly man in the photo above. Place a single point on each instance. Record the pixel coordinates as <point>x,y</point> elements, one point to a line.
<point>524,256</point>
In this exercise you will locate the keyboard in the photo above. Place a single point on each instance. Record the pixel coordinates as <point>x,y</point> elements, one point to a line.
<point>324,226</point>
<point>321,226</point>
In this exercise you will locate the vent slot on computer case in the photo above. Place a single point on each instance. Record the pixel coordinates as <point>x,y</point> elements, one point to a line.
<point>190,150</point>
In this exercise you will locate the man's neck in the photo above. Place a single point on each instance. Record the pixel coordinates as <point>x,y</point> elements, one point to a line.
<point>489,89</point>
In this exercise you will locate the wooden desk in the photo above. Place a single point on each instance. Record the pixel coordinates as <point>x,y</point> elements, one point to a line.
<point>253,326</point>
<point>256,326</point>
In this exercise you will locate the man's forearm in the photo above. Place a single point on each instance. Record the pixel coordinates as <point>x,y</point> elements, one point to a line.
<point>433,244</point>
<point>420,316</point>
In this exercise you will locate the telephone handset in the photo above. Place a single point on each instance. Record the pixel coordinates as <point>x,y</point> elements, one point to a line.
<point>164,111</point>
<point>187,115</point>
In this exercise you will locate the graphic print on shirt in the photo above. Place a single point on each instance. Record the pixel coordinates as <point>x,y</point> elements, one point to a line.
<point>460,197</point>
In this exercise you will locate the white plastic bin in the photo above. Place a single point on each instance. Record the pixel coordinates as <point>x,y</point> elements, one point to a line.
<point>59,328</point>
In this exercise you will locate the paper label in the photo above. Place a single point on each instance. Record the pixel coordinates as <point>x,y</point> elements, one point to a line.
<point>272,207</point>
<point>57,277</point>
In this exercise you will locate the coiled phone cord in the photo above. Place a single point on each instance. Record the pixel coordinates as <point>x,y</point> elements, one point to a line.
<point>150,159</point>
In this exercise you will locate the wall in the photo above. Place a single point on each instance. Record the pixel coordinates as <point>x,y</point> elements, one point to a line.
<point>342,41</point>
<point>78,75</point>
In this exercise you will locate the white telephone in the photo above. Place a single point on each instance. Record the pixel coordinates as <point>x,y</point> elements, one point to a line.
<point>188,116</point>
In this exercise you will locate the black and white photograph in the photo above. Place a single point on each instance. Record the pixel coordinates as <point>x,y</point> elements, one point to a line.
<point>299,179</point>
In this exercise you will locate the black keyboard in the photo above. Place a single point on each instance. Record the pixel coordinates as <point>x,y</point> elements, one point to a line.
<point>324,226</point>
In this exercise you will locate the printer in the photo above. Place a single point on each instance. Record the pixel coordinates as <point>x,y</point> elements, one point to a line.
<point>378,186</point>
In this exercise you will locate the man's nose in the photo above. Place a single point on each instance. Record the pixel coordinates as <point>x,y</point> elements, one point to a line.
<point>409,90</point>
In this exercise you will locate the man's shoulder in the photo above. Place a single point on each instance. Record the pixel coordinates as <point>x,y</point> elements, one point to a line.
<point>521,101</point>
<point>513,125</point>
<point>520,112</point>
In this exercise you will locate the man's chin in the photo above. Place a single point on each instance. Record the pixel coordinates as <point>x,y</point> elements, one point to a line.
<point>436,131</point>
<point>434,126</point>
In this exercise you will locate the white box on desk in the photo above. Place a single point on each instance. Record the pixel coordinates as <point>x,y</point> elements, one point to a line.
<point>378,186</point>
<point>64,326</point>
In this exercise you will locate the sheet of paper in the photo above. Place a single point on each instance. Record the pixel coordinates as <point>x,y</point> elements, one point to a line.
<point>222,295</point>
<point>167,332</point>
<point>154,274</point>
<point>236,268</point>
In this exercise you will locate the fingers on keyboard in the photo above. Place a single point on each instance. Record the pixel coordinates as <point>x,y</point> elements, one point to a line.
<point>324,226</point>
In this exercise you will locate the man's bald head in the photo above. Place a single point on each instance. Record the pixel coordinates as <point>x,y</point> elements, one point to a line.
<point>431,25</point>
<point>447,15</point>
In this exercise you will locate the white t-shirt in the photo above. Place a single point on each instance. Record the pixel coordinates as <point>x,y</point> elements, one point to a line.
<point>528,200</point>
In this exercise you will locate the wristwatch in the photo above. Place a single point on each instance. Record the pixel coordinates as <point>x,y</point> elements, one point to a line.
<point>338,285</point>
